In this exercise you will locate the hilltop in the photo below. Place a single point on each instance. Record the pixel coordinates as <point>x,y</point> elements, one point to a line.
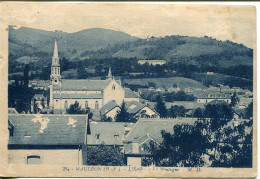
<point>99,48</point>
<point>34,45</point>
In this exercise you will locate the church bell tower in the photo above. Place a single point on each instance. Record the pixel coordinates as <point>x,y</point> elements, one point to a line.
<point>55,66</point>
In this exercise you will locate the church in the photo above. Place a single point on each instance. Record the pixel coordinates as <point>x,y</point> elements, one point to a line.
<point>93,94</point>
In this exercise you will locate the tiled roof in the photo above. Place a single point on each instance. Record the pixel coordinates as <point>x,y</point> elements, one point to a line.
<point>186,104</point>
<point>48,129</point>
<point>82,85</point>
<point>210,94</point>
<point>130,94</point>
<point>218,102</point>
<point>245,101</point>
<point>155,126</point>
<point>77,96</point>
<point>133,107</point>
<point>200,94</point>
<point>108,107</point>
<point>110,133</point>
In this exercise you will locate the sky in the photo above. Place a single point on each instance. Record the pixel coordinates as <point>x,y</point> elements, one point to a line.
<point>235,23</point>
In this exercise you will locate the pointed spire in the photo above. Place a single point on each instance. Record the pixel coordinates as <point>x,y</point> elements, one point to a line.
<point>55,52</point>
<point>109,76</point>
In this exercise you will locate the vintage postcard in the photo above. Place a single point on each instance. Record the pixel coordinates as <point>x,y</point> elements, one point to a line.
<point>127,90</point>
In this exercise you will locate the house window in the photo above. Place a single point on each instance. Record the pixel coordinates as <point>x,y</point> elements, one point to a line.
<point>33,160</point>
<point>97,136</point>
<point>116,136</point>
<point>66,104</point>
<point>86,104</point>
<point>96,105</point>
<point>113,87</point>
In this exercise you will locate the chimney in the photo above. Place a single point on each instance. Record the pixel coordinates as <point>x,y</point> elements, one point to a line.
<point>135,146</point>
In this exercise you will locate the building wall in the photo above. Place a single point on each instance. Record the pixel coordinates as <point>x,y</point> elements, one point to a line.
<point>134,161</point>
<point>117,94</point>
<point>52,157</point>
<point>207,100</point>
<point>113,113</point>
<point>51,96</point>
<point>91,103</point>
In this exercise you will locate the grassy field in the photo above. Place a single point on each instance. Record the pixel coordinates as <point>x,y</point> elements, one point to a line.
<point>181,82</point>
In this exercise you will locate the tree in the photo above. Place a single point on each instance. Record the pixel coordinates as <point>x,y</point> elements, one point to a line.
<point>249,110</point>
<point>35,106</point>
<point>198,113</point>
<point>219,113</point>
<point>234,100</point>
<point>185,147</point>
<point>177,111</point>
<point>26,75</point>
<point>64,64</point>
<point>43,103</point>
<point>76,109</point>
<point>160,107</point>
<point>81,72</point>
<point>104,155</point>
<point>122,114</point>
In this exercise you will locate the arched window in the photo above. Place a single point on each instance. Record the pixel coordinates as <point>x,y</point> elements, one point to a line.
<point>96,105</point>
<point>66,104</point>
<point>113,87</point>
<point>86,104</point>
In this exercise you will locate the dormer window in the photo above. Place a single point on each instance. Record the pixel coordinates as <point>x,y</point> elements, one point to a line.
<point>97,136</point>
<point>116,136</point>
<point>113,87</point>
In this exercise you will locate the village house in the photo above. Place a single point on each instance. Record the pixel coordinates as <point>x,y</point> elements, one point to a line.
<point>152,62</point>
<point>208,96</point>
<point>134,108</point>
<point>91,94</point>
<point>47,139</point>
<point>143,132</point>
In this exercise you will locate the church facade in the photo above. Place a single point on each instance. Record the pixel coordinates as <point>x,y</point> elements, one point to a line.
<point>91,94</point>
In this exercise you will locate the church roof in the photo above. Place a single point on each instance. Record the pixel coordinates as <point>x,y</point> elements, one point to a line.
<point>81,85</point>
<point>77,96</point>
<point>41,129</point>
<point>55,52</point>
<point>130,94</point>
